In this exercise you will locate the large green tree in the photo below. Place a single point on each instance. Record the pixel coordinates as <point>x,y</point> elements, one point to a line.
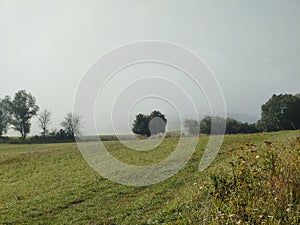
<point>22,108</point>
<point>280,112</point>
<point>148,125</point>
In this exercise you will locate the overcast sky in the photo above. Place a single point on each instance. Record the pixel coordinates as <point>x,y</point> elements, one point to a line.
<point>252,47</point>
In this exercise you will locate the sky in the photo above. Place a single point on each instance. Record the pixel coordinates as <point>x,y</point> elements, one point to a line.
<point>47,47</point>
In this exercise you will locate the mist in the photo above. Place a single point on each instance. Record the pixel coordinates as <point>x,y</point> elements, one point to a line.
<point>252,48</point>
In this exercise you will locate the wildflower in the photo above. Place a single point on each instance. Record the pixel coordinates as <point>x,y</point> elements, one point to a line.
<point>257,157</point>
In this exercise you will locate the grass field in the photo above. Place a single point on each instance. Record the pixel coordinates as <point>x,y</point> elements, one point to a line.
<point>254,179</point>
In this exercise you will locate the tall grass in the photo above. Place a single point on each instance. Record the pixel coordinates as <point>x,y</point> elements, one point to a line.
<point>255,179</point>
<point>262,187</point>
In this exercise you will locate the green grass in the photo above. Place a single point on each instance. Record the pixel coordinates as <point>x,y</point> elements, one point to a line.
<point>249,181</point>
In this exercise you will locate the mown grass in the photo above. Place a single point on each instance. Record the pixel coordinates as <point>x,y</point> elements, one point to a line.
<point>254,179</point>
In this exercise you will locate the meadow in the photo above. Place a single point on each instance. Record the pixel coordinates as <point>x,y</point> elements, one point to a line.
<point>255,179</point>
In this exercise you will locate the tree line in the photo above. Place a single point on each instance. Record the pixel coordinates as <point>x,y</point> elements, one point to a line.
<point>280,112</point>
<point>16,113</point>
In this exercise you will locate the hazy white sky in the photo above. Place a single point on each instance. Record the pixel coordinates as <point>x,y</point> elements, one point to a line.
<point>252,46</point>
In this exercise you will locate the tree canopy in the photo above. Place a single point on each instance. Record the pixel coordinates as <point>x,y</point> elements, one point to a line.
<point>148,125</point>
<point>280,112</point>
<point>21,109</point>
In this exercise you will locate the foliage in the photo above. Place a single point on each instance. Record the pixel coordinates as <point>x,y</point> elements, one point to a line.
<point>263,187</point>
<point>206,125</point>
<point>256,184</point>
<point>4,116</point>
<point>148,125</point>
<point>232,126</point>
<point>56,136</point>
<point>192,126</point>
<point>280,112</point>
<point>72,124</point>
<point>60,136</point>
<point>141,125</point>
<point>236,127</point>
<point>21,109</point>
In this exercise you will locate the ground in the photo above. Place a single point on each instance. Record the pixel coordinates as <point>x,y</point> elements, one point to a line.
<point>53,184</point>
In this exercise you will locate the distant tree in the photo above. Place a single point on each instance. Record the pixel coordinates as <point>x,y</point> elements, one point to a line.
<point>207,128</point>
<point>297,95</point>
<point>205,125</point>
<point>232,126</point>
<point>72,124</point>
<point>4,116</point>
<point>60,136</point>
<point>192,126</point>
<point>248,128</point>
<point>141,125</point>
<point>148,125</point>
<point>157,123</point>
<point>44,120</point>
<point>3,127</point>
<point>22,109</point>
<point>236,127</point>
<point>280,112</point>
